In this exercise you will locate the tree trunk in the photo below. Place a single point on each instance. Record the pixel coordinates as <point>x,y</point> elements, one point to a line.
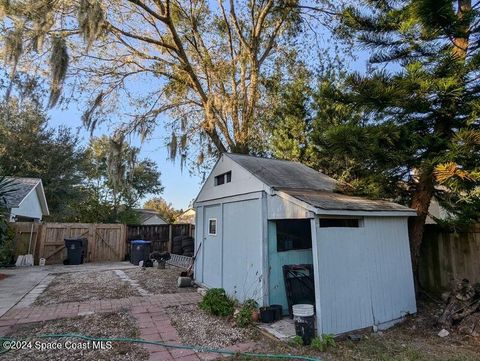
<point>460,41</point>
<point>420,202</point>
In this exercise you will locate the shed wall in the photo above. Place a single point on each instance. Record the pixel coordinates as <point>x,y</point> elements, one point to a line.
<point>243,182</point>
<point>280,208</point>
<point>365,274</point>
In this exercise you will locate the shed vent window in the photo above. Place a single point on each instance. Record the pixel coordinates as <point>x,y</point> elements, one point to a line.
<point>339,222</point>
<point>212,226</point>
<point>293,234</point>
<point>223,178</point>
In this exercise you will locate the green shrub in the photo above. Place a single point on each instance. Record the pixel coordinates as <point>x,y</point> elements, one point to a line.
<point>244,317</point>
<point>217,302</point>
<point>297,341</point>
<point>7,247</point>
<point>323,343</point>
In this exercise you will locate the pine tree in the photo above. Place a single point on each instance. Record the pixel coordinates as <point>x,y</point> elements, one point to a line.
<point>420,100</point>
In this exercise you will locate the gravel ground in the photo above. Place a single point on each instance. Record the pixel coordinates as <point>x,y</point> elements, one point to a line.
<point>158,281</point>
<point>85,286</point>
<point>196,327</point>
<point>415,339</point>
<point>110,325</point>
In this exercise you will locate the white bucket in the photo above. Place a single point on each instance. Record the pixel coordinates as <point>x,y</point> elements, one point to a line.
<point>303,310</point>
<point>42,262</point>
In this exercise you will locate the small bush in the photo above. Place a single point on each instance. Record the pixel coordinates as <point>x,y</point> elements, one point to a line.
<point>323,343</point>
<point>7,247</point>
<point>297,341</point>
<point>244,316</point>
<point>217,302</point>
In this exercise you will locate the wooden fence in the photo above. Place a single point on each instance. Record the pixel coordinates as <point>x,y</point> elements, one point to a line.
<point>160,235</point>
<point>447,256</point>
<point>106,242</point>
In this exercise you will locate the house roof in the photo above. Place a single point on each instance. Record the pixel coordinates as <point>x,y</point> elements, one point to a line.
<point>145,214</point>
<point>21,188</point>
<point>309,186</point>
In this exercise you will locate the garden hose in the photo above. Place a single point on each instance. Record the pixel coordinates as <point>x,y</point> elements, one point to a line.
<point>184,347</point>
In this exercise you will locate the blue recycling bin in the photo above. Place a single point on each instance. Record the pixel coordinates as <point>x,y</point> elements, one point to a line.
<point>140,251</point>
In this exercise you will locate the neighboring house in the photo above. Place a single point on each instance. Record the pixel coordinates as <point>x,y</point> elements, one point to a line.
<point>150,216</point>
<point>436,211</point>
<point>254,215</point>
<point>26,202</point>
<point>187,217</point>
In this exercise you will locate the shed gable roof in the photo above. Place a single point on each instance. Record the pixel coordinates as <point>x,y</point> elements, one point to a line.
<point>310,186</point>
<point>278,173</point>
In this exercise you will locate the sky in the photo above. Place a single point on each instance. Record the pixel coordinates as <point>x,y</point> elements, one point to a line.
<point>180,187</point>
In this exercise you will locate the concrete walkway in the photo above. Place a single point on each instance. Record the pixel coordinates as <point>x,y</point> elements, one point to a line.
<point>21,280</point>
<point>17,285</point>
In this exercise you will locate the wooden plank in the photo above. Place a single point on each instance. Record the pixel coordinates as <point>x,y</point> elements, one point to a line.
<point>170,237</point>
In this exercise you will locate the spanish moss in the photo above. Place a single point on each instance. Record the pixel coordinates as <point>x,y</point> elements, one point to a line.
<point>173,146</point>
<point>91,20</point>
<point>58,67</point>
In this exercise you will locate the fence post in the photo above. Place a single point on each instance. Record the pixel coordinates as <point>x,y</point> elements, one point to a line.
<point>170,237</point>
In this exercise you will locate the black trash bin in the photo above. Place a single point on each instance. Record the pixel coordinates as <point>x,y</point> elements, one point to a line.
<point>140,251</point>
<point>76,250</point>
<point>299,285</point>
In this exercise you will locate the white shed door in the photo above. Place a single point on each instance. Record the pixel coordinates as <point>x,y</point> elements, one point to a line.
<point>212,243</point>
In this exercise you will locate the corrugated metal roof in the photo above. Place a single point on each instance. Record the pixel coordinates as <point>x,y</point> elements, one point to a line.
<point>20,188</point>
<point>308,185</point>
<point>285,174</point>
<point>337,201</point>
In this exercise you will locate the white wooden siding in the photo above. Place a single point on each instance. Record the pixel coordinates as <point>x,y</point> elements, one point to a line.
<point>30,207</point>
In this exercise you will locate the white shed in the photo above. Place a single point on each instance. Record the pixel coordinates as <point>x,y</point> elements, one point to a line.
<point>254,215</point>
<point>26,201</point>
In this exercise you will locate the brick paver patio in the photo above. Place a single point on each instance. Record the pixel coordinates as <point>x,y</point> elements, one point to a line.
<point>149,312</point>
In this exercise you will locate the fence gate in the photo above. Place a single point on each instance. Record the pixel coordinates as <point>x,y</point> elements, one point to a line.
<point>106,242</point>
